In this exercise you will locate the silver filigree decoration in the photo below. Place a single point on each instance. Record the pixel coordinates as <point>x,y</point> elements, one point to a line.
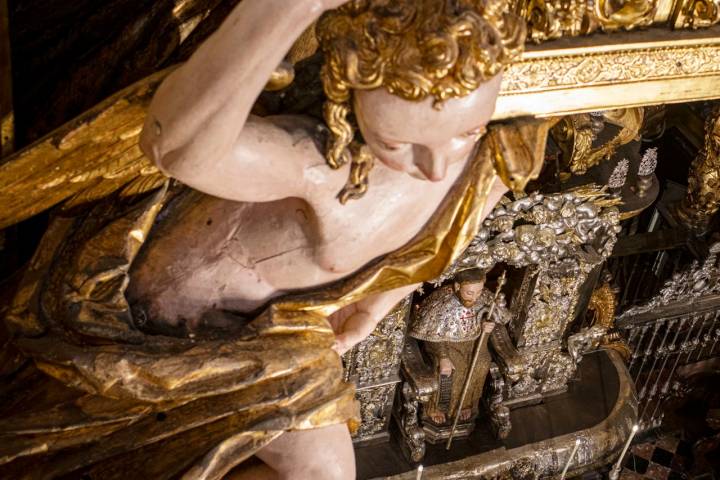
<point>695,282</point>
<point>557,240</point>
<point>619,175</point>
<point>375,410</point>
<point>648,164</point>
<point>550,230</point>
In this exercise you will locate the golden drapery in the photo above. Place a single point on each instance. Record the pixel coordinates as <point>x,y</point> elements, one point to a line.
<point>103,395</point>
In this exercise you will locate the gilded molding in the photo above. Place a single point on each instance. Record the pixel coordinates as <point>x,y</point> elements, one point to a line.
<point>641,68</point>
<point>599,68</point>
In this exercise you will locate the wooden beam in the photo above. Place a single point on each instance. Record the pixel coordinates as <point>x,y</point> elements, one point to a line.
<point>651,242</point>
<point>7,121</point>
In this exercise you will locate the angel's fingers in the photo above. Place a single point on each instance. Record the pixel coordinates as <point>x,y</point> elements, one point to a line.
<point>341,345</point>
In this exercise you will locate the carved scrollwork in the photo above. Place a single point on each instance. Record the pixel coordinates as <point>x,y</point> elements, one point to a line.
<point>702,201</point>
<point>544,230</point>
<point>551,19</point>
<point>602,304</point>
<point>627,15</point>
<point>697,13</point>
<point>575,134</point>
<point>499,413</point>
<point>407,418</point>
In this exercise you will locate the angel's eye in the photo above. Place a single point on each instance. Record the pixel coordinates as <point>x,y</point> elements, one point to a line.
<point>390,146</point>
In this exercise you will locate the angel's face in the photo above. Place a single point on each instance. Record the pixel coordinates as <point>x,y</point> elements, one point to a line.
<point>415,138</point>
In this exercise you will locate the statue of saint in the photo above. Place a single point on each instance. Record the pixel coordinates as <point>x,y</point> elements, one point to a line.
<point>207,307</point>
<point>449,322</point>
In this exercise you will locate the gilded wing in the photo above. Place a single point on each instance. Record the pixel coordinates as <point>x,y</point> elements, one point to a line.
<point>98,153</point>
<point>84,160</point>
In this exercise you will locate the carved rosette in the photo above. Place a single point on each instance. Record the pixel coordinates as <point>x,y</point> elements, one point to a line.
<point>702,201</point>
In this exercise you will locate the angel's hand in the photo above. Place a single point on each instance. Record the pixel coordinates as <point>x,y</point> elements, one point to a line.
<point>355,322</point>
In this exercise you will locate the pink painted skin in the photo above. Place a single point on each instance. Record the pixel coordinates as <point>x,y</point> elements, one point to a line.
<point>270,222</point>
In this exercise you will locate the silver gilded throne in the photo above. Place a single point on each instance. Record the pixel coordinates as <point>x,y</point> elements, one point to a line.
<point>553,243</point>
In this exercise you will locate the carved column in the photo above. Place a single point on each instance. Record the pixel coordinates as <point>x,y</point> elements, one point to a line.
<point>703,195</point>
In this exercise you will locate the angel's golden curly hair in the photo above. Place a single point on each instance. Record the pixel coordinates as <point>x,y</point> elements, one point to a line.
<point>413,48</point>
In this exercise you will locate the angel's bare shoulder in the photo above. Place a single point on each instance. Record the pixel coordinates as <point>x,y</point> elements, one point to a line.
<point>288,133</point>
<point>293,143</point>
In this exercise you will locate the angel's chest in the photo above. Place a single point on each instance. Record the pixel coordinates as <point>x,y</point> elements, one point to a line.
<point>355,234</point>
<point>334,238</point>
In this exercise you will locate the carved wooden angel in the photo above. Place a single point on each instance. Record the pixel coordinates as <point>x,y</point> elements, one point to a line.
<point>194,324</point>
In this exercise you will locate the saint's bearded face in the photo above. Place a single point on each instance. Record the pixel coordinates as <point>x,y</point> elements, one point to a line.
<point>418,139</point>
<point>469,292</point>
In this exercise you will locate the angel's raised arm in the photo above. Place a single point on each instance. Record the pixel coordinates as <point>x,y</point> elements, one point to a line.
<point>200,112</point>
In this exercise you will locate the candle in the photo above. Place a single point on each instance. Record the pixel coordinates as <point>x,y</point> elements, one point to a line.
<point>569,461</point>
<point>615,472</point>
<point>627,444</point>
<point>419,473</point>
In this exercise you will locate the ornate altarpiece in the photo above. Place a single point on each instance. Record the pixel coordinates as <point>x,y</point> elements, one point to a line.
<point>555,241</point>
<point>648,67</point>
